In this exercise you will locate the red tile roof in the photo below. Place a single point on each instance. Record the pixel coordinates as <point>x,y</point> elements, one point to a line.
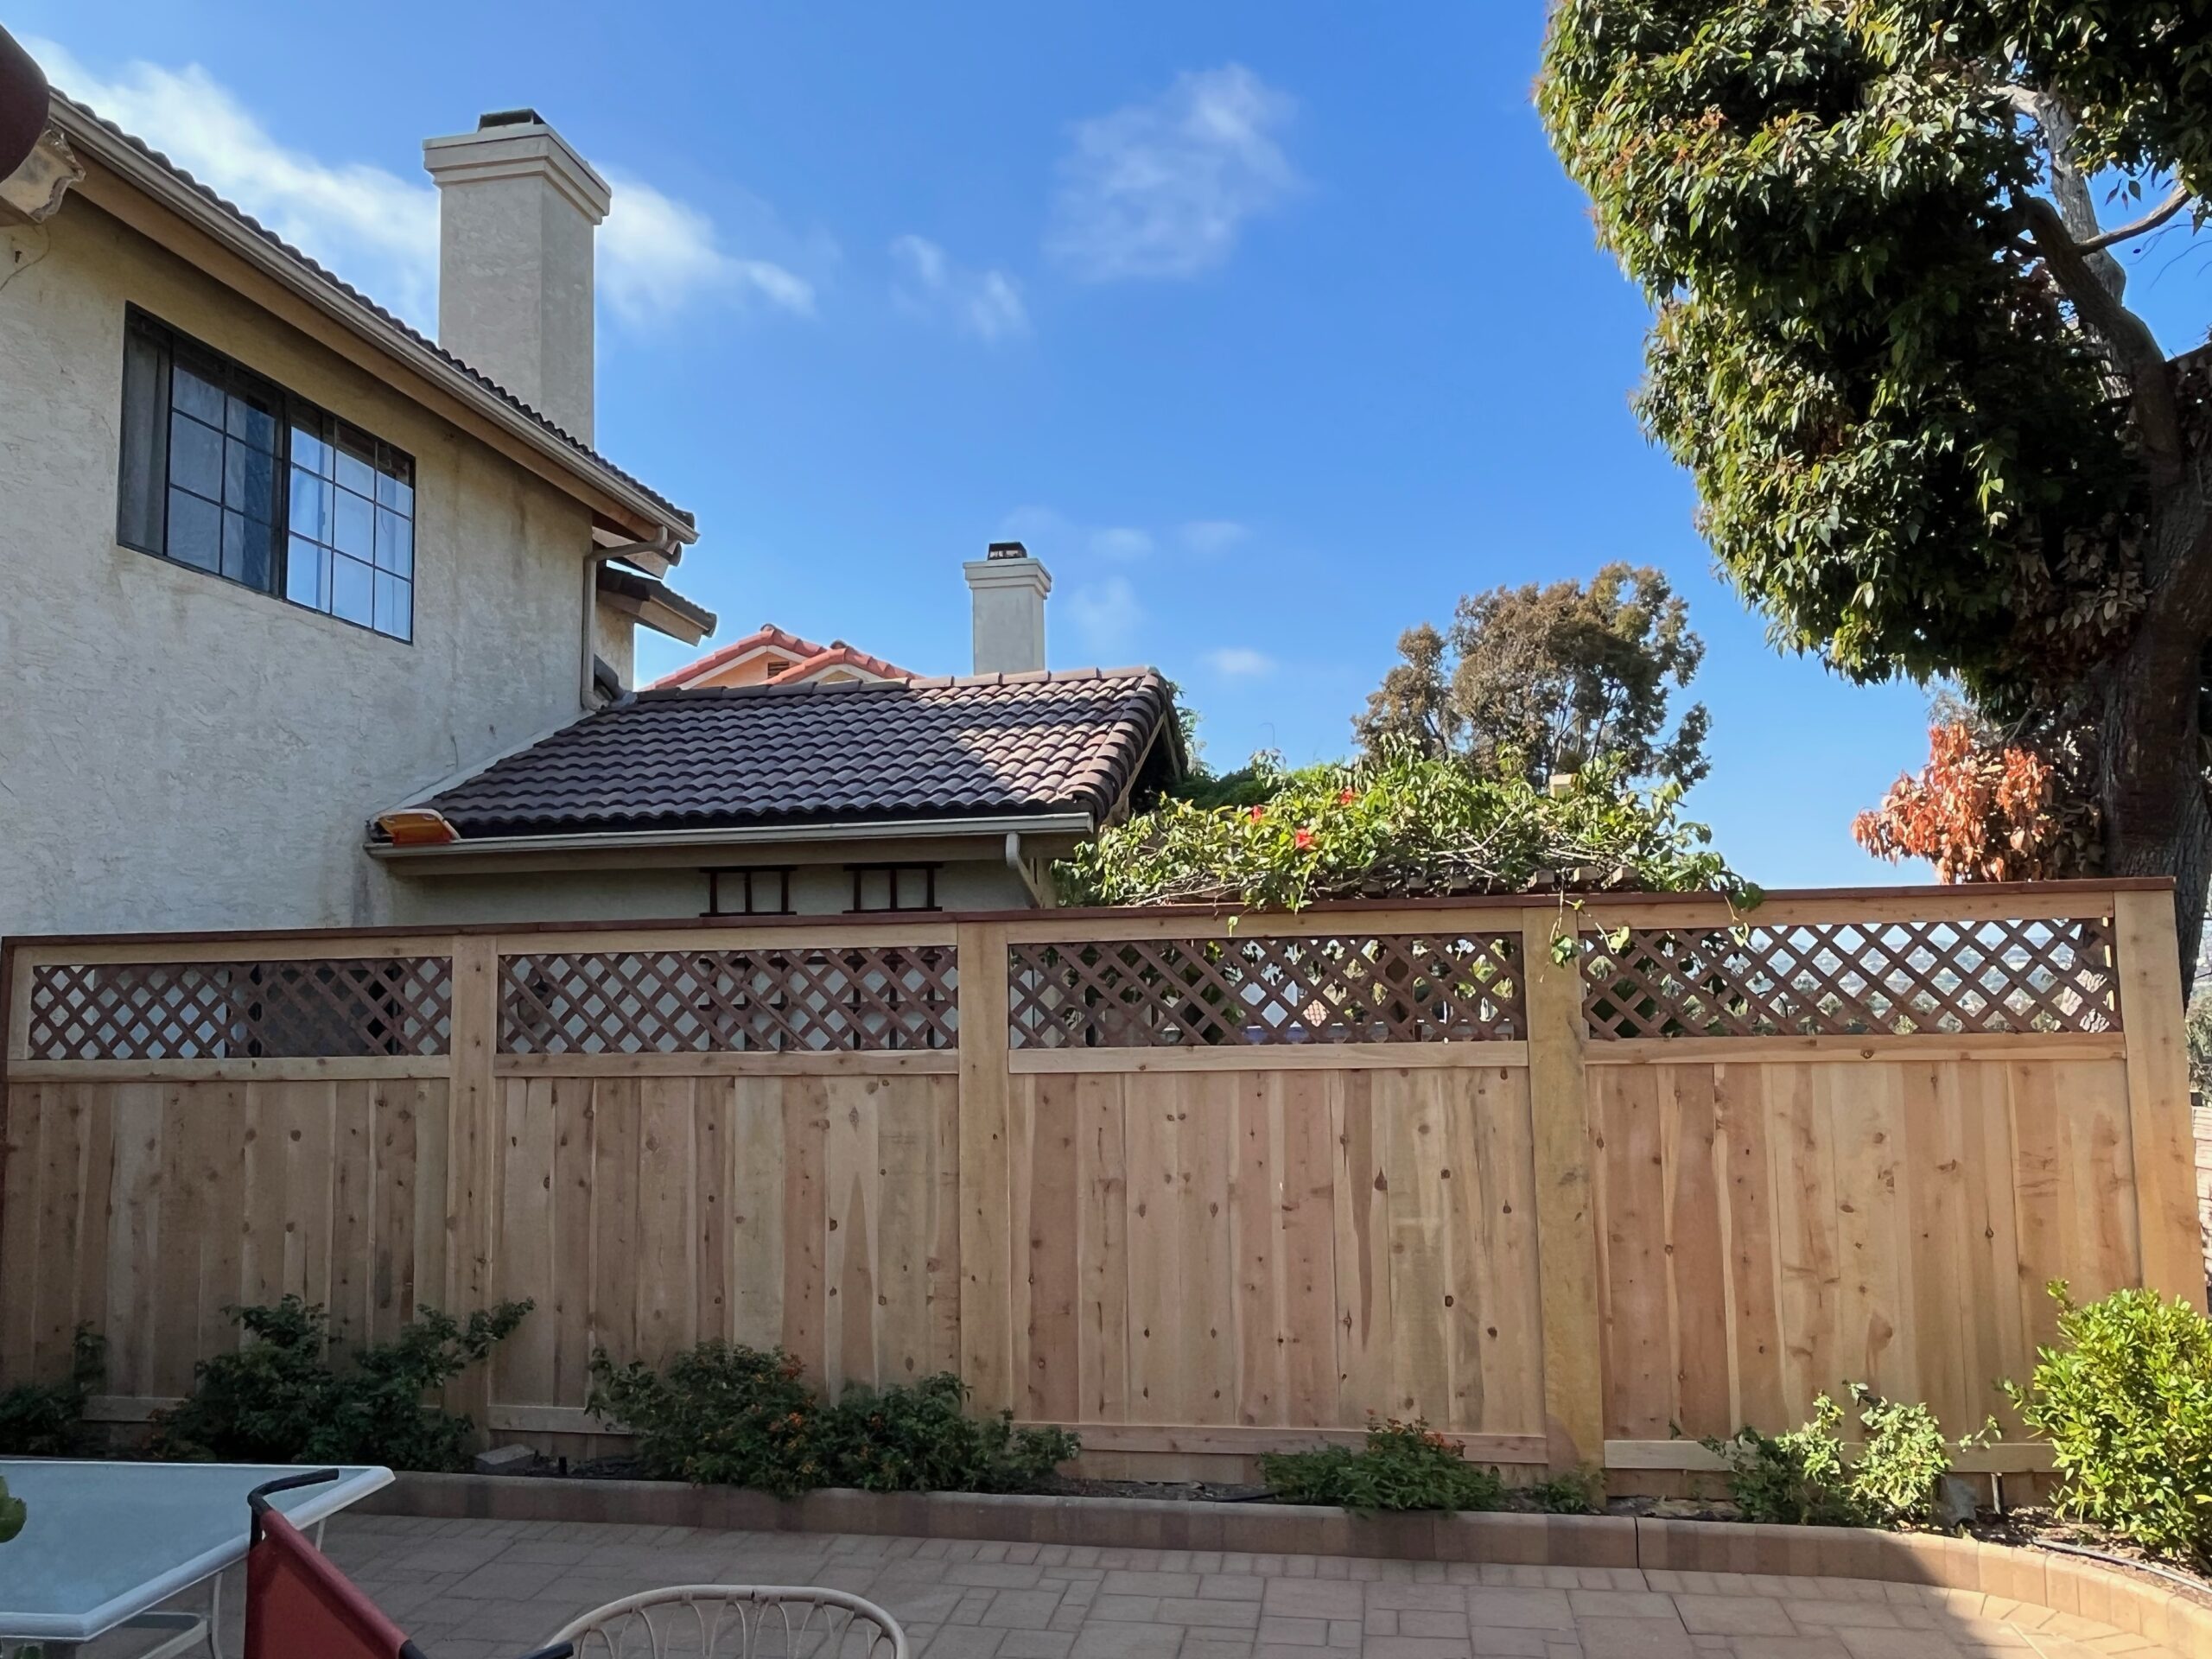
<point>812,658</point>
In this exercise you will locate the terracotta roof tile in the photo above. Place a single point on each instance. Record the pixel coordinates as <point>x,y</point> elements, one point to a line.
<point>858,751</point>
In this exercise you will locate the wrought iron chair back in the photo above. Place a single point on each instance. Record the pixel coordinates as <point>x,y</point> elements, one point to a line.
<point>737,1621</point>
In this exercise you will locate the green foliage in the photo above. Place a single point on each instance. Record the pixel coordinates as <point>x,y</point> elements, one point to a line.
<point>2196,1029</point>
<point>719,1414</point>
<point>13,1513</point>
<point>1905,449</point>
<point>46,1420</point>
<point>722,1413</point>
<point>918,1438</point>
<point>1402,1466</point>
<point>1551,679</point>
<point>1805,1477</point>
<point>1581,1492</point>
<point>279,1399</point>
<point>2126,1402</point>
<point>1400,824</point>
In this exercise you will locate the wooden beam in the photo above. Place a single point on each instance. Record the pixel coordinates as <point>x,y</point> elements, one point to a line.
<point>986,1195</point>
<point>2152,1015</point>
<point>2005,1458</point>
<point>749,1063</point>
<point>1566,1239</point>
<point>2026,1048</point>
<point>473,1153</point>
<point>350,1069</point>
<point>1269,1057</point>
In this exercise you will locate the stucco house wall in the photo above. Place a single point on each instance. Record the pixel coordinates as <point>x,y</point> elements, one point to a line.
<point>175,750</point>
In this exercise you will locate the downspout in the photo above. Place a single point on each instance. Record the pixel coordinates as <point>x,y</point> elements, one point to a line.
<point>1037,896</point>
<point>663,544</point>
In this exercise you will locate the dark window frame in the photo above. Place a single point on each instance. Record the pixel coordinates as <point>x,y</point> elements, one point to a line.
<point>893,889</point>
<point>751,878</point>
<point>346,466</point>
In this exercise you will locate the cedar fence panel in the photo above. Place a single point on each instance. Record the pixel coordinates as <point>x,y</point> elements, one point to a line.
<point>1558,1179</point>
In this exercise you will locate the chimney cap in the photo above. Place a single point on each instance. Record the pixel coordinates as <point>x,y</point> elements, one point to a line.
<point>524,118</point>
<point>1006,551</point>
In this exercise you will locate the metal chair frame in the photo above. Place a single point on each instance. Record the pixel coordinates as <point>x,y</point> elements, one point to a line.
<point>744,1616</point>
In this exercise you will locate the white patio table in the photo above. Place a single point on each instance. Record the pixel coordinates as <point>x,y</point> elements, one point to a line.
<point>103,1544</point>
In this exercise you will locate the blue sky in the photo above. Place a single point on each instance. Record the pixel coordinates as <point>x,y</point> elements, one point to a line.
<point>1271,331</point>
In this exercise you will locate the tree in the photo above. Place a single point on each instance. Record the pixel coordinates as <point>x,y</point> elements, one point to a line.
<point>1892,346</point>
<point>1550,679</point>
<point>1981,811</point>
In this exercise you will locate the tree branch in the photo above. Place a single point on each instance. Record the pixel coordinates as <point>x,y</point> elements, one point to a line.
<point>2157,412</point>
<point>2070,186</point>
<point>2165,210</point>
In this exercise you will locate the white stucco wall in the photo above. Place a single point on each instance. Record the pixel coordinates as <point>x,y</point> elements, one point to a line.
<point>177,751</point>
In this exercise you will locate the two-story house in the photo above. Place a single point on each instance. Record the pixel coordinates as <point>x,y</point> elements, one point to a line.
<point>312,620</point>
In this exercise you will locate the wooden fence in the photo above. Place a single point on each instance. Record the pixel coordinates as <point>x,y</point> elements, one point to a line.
<point>1561,1179</point>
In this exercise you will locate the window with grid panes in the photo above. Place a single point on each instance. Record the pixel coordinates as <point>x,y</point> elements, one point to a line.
<point>226,473</point>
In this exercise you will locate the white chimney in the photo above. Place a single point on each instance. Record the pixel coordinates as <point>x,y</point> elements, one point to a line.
<point>517,207</point>
<point>1009,588</point>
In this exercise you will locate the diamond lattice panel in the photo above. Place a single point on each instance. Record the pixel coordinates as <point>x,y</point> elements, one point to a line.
<point>718,1001</point>
<point>234,1010</point>
<point>1323,988</point>
<point>1851,978</point>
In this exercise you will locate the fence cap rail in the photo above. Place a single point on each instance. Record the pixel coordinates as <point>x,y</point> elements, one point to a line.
<point>1930,892</point>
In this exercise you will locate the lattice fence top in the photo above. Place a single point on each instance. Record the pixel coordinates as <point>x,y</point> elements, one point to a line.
<point>240,1010</point>
<point>1851,978</point>
<point>718,1001</point>
<point>1331,988</point>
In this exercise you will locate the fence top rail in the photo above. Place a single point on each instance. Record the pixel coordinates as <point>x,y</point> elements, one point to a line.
<point>2026,899</point>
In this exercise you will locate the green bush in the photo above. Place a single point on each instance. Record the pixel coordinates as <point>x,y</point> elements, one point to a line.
<point>1402,1466</point>
<point>1805,1477</point>
<point>47,1420</point>
<point>1582,1492</point>
<point>918,1438</point>
<point>724,1414</point>
<point>721,1415</point>
<point>278,1398</point>
<point>2126,1402</point>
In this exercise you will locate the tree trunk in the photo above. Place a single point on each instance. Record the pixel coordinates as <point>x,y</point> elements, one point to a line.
<point>2150,757</point>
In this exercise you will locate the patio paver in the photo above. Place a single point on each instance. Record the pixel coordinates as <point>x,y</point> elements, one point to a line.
<point>493,1590</point>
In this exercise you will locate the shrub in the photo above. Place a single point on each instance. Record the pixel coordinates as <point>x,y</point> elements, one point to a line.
<point>724,1414</point>
<point>2126,1402</point>
<point>1402,1466</point>
<point>46,1420</point>
<point>721,1415</point>
<point>1803,1477</point>
<point>917,1438</point>
<point>278,1398</point>
<point>1581,1492</point>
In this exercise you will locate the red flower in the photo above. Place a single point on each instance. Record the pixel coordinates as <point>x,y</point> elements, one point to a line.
<point>1347,797</point>
<point>1258,812</point>
<point>1303,839</point>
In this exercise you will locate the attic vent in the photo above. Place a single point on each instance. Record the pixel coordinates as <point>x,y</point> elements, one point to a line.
<point>510,118</point>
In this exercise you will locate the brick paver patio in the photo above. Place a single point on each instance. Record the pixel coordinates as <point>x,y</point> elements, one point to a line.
<point>493,1589</point>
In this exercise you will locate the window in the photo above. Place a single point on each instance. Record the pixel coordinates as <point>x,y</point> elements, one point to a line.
<point>894,887</point>
<point>226,473</point>
<point>758,891</point>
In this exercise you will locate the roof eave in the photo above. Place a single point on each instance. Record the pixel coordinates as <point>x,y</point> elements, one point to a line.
<point>748,835</point>
<point>94,139</point>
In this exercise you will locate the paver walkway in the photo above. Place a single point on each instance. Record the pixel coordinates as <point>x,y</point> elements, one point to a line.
<point>494,1589</point>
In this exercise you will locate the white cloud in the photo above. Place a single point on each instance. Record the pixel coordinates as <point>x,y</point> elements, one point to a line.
<point>1106,615</point>
<point>1120,542</point>
<point>1162,189</point>
<point>986,303</point>
<point>1240,663</point>
<point>1212,534</point>
<point>657,255</point>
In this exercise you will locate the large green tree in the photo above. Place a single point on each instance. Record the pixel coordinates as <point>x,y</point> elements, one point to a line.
<point>1550,679</point>
<point>1894,347</point>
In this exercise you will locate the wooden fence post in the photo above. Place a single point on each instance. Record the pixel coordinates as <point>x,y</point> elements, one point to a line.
<point>1566,1239</point>
<point>2152,1015</point>
<point>986,1292</point>
<point>472,1154</point>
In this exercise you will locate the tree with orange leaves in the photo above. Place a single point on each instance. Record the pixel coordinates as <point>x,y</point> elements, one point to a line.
<point>1982,810</point>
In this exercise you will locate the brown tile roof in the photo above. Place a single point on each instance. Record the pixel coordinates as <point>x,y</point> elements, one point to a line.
<point>67,105</point>
<point>857,752</point>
